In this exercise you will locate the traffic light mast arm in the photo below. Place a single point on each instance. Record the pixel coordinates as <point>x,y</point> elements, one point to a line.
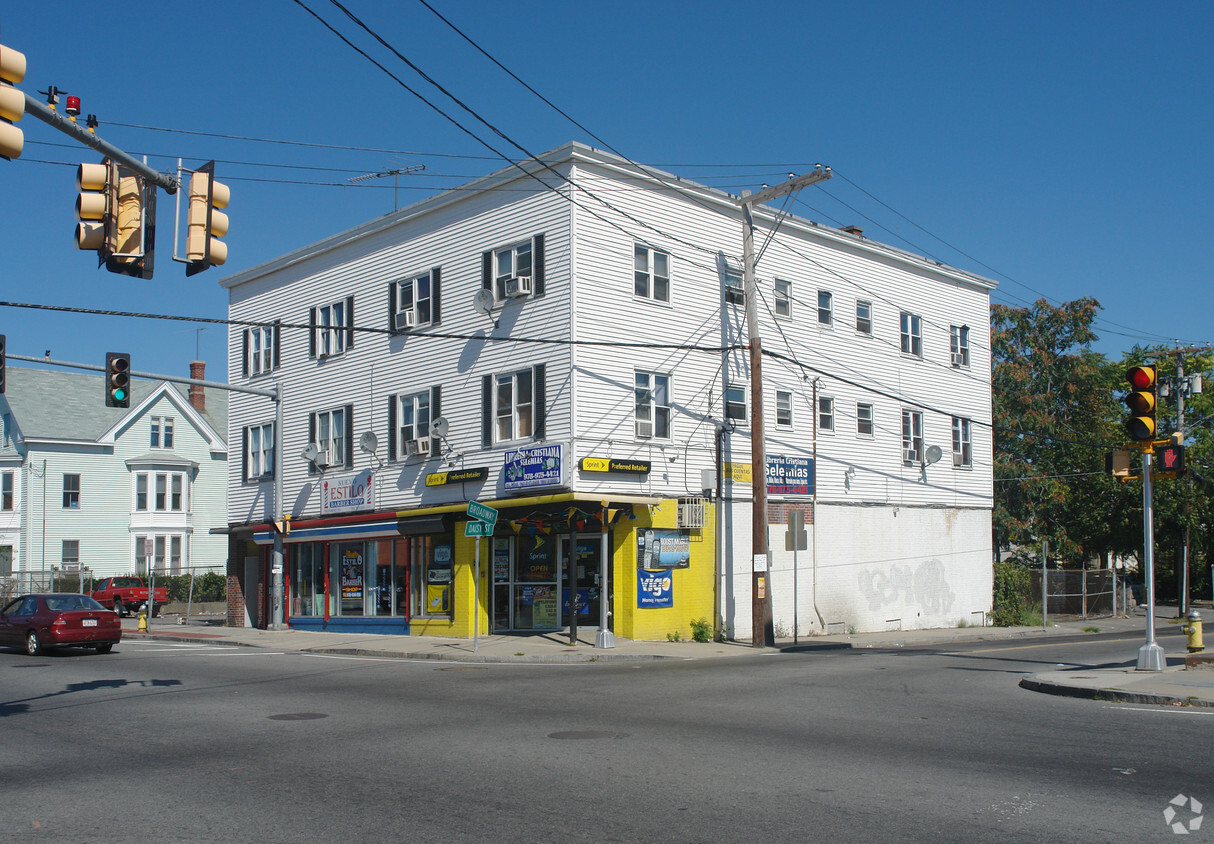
<point>53,118</point>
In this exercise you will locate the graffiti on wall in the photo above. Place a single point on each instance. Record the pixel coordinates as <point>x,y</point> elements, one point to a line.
<point>924,586</point>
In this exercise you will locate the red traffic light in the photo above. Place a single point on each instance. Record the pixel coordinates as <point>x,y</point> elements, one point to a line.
<point>1141,400</point>
<point>1141,377</point>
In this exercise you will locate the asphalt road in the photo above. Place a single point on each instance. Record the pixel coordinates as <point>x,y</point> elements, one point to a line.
<point>177,742</point>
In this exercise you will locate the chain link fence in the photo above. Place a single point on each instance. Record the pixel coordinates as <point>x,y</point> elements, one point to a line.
<point>1087,594</point>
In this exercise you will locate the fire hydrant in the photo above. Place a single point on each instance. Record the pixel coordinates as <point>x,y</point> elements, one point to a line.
<point>143,622</point>
<point>1193,631</point>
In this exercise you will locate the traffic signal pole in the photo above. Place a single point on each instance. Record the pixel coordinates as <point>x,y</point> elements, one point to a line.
<point>69,127</point>
<point>1150,655</point>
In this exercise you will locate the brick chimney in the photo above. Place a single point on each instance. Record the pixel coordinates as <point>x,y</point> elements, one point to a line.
<point>198,398</point>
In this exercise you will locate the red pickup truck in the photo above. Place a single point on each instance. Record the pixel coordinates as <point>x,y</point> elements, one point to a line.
<point>127,593</point>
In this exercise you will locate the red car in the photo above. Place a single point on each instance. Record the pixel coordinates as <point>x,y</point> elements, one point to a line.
<point>39,622</point>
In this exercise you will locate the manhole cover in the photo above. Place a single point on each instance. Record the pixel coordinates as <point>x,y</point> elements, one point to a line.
<point>587,734</point>
<point>298,716</point>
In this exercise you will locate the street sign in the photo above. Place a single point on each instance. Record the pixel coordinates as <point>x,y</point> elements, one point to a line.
<point>484,513</point>
<point>478,529</point>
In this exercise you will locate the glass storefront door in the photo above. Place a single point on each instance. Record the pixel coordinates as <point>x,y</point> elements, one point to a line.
<point>587,557</point>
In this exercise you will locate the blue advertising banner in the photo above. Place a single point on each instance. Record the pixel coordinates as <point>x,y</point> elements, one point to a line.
<point>583,601</point>
<point>655,589</point>
<point>534,468</point>
<point>790,475</point>
<point>659,548</point>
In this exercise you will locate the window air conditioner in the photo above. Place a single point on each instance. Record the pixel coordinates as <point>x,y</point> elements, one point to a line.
<point>958,458</point>
<point>322,459</point>
<point>909,455</point>
<point>958,359</point>
<point>421,446</point>
<point>518,286</point>
<point>691,513</point>
<point>405,320</point>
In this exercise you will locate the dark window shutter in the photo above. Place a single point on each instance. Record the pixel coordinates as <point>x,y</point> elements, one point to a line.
<point>392,300</point>
<point>348,460</point>
<point>277,341</point>
<point>349,322</point>
<point>436,410</point>
<point>392,427</point>
<point>272,467</point>
<point>436,297</point>
<point>311,439</point>
<point>311,332</point>
<point>487,271</point>
<point>244,363</point>
<point>537,266</point>
<point>244,455</point>
<point>486,411</point>
<point>537,398</point>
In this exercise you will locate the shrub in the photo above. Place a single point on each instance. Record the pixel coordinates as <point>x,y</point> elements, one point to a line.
<point>1010,605</point>
<point>701,629</point>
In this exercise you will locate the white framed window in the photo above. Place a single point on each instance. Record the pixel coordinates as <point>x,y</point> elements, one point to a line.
<point>651,273</point>
<point>261,349</point>
<point>514,405</point>
<point>784,408</point>
<point>511,262</point>
<point>826,313</point>
<point>71,492</point>
<point>912,437</point>
<point>6,491</point>
<point>783,298</point>
<point>330,431</point>
<point>161,431</point>
<point>963,445</point>
<point>258,452</point>
<point>415,300</point>
<point>413,420</point>
<point>735,402</point>
<point>69,553</point>
<point>163,492</point>
<point>652,405</point>
<point>912,334</point>
<point>959,345</point>
<point>735,285</point>
<point>826,413</point>
<point>165,552</point>
<point>864,419</point>
<point>332,328</point>
<point>864,317</point>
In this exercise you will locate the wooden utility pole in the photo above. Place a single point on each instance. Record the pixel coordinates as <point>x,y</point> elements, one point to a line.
<point>762,627</point>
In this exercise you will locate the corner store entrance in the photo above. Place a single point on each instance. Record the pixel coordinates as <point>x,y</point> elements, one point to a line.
<point>530,581</point>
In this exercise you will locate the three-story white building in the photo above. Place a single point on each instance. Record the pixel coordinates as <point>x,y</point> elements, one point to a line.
<point>565,341</point>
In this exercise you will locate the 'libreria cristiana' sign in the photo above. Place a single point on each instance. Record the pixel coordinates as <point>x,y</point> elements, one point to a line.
<point>534,467</point>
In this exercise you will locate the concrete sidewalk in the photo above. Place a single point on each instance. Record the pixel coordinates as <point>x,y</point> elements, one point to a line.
<point>1174,685</point>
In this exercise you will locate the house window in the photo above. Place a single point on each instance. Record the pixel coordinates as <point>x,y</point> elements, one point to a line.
<point>864,420</point>
<point>261,349</point>
<point>963,447</point>
<point>864,317</point>
<point>652,273</point>
<point>513,406</point>
<point>735,403</point>
<point>259,451</point>
<point>71,491</point>
<point>419,296</point>
<point>783,408</point>
<point>826,413</point>
<point>959,344</point>
<point>332,328</point>
<point>912,335</point>
<point>70,553</point>
<point>826,314</point>
<point>6,491</point>
<point>176,492</point>
<point>735,285</point>
<point>162,432</point>
<point>912,437</point>
<point>652,405</point>
<point>141,491</point>
<point>414,420</point>
<point>511,262</point>
<point>162,493</point>
<point>783,298</point>
<point>331,430</point>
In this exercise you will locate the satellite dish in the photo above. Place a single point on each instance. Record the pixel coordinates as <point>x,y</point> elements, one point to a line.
<point>933,454</point>
<point>440,426</point>
<point>310,452</point>
<point>368,442</point>
<point>483,301</point>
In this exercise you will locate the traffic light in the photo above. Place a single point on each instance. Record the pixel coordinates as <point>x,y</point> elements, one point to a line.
<point>12,102</point>
<point>1170,458</point>
<point>1141,400</point>
<point>205,223</point>
<point>3,343</point>
<point>117,379</point>
<point>117,213</point>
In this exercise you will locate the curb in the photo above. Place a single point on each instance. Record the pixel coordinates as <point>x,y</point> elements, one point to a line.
<point>1109,694</point>
<point>570,658</point>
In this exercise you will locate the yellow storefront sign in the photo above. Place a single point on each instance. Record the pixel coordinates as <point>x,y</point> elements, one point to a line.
<point>738,473</point>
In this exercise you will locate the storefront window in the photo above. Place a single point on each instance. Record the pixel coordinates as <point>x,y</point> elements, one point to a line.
<point>535,584</point>
<point>436,577</point>
<point>307,579</point>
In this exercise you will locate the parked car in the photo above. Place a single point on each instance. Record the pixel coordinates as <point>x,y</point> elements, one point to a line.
<point>40,622</point>
<point>128,593</point>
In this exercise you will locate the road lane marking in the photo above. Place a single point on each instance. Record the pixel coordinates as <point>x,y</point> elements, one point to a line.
<point>1036,645</point>
<point>1174,710</point>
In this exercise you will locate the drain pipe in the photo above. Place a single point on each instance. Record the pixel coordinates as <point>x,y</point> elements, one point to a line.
<point>813,554</point>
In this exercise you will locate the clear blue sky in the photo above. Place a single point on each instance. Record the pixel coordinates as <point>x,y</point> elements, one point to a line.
<point>1060,148</point>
